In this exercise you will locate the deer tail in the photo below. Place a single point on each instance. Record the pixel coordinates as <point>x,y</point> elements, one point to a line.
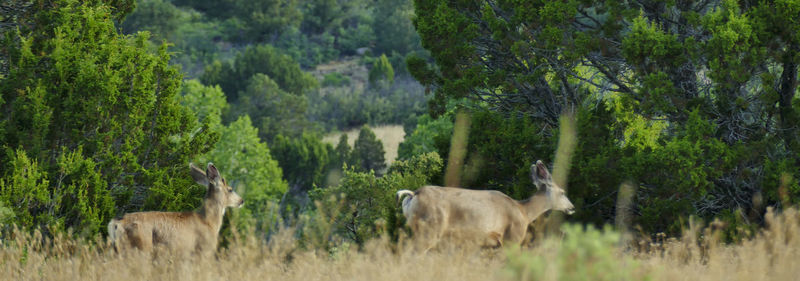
<point>114,232</point>
<point>402,193</point>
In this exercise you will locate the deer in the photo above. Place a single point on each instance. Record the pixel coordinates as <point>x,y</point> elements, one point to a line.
<point>193,232</point>
<point>488,218</point>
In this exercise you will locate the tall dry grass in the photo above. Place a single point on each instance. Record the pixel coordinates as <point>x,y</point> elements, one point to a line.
<point>774,254</point>
<point>28,257</point>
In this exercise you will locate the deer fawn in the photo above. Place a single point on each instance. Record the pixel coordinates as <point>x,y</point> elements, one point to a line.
<point>182,232</point>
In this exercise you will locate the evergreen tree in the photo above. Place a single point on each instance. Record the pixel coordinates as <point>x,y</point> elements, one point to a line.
<point>342,151</point>
<point>161,18</point>
<point>381,71</point>
<point>393,27</point>
<point>274,111</point>
<point>92,120</point>
<point>305,160</point>
<point>368,153</point>
<point>258,21</point>
<point>208,103</point>
<point>263,59</point>
<point>692,93</point>
<point>247,162</point>
<point>431,135</point>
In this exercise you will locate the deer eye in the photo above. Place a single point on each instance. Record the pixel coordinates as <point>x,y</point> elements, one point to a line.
<point>230,190</point>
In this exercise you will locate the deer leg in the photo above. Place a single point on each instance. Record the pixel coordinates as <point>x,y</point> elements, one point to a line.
<point>515,233</point>
<point>426,238</point>
<point>427,233</point>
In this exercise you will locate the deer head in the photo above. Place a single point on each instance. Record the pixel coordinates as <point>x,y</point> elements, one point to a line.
<point>556,197</point>
<point>218,189</point>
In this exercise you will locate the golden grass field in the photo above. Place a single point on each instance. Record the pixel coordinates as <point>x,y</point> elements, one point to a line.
<point>774,254</point>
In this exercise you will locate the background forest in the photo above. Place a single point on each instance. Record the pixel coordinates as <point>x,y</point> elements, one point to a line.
<point>105,102</point>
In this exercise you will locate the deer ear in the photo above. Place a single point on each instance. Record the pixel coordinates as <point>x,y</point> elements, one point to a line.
<point>539,173</point>
<point>198,175</point>
<point>212,172</point>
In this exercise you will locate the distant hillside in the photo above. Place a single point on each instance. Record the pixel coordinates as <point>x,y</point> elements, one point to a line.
<point>345,98</point>
<point>348,67</point>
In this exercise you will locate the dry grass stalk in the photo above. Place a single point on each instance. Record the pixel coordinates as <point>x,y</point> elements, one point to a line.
<point>771,255</point>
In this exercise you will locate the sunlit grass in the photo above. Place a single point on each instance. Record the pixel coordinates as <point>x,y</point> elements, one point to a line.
<point>577,255</point>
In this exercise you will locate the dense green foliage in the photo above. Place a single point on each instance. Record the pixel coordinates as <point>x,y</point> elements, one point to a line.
<point>263,59</point>
<point>335,79</point>
<point>695,101</point>
<point>159,17</point>
<point>242,157</point>
<point>98,123</point>
<point>274,111</point>
<point>91,121</point>
<point>341,152</point>
<point>306,159</point>
<point>363,206</point>
<point>394,33</point>
<point>429,135</point>
<point>254,20</point>
<point>208,103</point>
<point>348,107</point>
<point>214,42</point>
<point>197,39</point>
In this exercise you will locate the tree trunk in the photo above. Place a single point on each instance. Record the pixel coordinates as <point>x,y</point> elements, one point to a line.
<point>786,91</point>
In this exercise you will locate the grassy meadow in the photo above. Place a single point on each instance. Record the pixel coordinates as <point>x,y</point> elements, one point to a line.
<point>579,253</point>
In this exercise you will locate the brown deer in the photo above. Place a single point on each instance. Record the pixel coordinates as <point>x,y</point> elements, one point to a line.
<point>182,232</point>
<point>483,217</point>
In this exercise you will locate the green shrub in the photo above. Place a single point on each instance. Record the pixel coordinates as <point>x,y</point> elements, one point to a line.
<point>335,79</point>
<point>25,190</point>
<point>583,254</point>
<point>363,206</point>
<point>430,135</point>
<point>161,18</point>
<point>382,73</point>
<point>78,199</point>
<point>351,39</point>
<point>90,114</point>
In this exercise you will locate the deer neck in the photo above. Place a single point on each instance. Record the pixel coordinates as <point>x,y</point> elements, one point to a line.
<point>535,206</point>
<point>212,213</point>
